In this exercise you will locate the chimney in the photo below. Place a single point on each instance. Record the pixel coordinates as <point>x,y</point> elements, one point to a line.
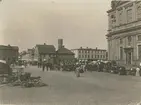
<point>96,48</point>
<point>60,43</point>
<point>44,43</point>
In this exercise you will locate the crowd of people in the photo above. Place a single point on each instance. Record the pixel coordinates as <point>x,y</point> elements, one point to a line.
<point>110,67</point>
<point>99,66</point>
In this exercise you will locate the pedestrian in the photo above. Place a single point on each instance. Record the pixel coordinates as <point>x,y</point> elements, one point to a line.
<point>137,71</point>
<point>44,64</point>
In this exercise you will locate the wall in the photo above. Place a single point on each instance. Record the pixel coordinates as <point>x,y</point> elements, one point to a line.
<point>9,54</point>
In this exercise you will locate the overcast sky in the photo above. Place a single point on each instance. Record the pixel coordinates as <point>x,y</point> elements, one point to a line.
<point>29,22</point>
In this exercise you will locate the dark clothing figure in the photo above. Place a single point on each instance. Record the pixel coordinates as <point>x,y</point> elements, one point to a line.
<point>39,64</point>
<point>44,65</point>
<point>100,66</point>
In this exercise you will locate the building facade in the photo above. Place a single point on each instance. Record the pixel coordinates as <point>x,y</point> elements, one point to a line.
<point>46,52</point>
<point>124,33</point>
<point>9,53</point>
<point>64,55</point>
<point>90,54</point>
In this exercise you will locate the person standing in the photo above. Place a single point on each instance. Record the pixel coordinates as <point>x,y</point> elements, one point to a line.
<point>44,65</point>
<point>137,71</point>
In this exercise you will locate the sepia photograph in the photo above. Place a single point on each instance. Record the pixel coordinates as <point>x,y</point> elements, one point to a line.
<point>70,52</point>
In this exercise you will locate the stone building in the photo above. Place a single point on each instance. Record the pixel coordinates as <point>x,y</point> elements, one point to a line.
<point>9,53</point>
<point>124,33</point>
<point>90,54</point>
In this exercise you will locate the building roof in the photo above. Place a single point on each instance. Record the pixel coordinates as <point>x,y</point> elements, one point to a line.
<point>64,51</point>
<point>89,49</point>
<point>9,47</point>
<point>46,49</point>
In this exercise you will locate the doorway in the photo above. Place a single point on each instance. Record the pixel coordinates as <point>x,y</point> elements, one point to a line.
<point>128,58</point>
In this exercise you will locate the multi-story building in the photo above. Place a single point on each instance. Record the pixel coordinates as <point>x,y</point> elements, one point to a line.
<point>9,53</point>
<point>124,33</point>
<point>90,54</point>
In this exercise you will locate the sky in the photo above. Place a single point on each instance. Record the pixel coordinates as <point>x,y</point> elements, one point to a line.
<point>80,23</point>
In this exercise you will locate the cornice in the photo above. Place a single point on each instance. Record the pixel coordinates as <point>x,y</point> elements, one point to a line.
<point>128,5</point>
<point>124,30</point>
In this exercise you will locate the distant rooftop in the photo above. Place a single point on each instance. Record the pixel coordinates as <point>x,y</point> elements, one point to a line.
<point>64,51</point>
<point>45,48</point>
<point>9,47</point>
<point>81,48</point>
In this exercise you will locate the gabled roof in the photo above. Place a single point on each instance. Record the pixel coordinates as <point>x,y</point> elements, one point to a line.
<point>9,47</point>
<point>64,51</point>
<point>46,49</point>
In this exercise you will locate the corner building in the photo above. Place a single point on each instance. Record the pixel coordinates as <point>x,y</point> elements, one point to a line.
<point>124,33</point>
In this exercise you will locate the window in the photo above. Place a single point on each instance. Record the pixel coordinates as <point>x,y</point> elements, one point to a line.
<point>101,56</point>
<point>92,56</point>
<point>113,19</point>
<point>85,56</point>
<point>79,51</point>
<point>88,56</point>
<point>121,53</point>
<point>129,40</point>
<point>129,15</point>
<point>120,17</point>
<point>121,41</point>
<point>79,56</point>
<point>139,52</point>
<point>139,38</point>
<point>139,12</point>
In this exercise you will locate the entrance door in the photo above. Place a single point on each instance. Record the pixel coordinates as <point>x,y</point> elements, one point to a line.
<point>128,58</point>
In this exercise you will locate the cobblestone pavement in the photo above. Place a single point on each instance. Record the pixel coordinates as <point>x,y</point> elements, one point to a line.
<point>65,89</point>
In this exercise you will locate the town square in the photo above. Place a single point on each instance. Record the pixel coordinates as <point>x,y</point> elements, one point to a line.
<point>70,52</point>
